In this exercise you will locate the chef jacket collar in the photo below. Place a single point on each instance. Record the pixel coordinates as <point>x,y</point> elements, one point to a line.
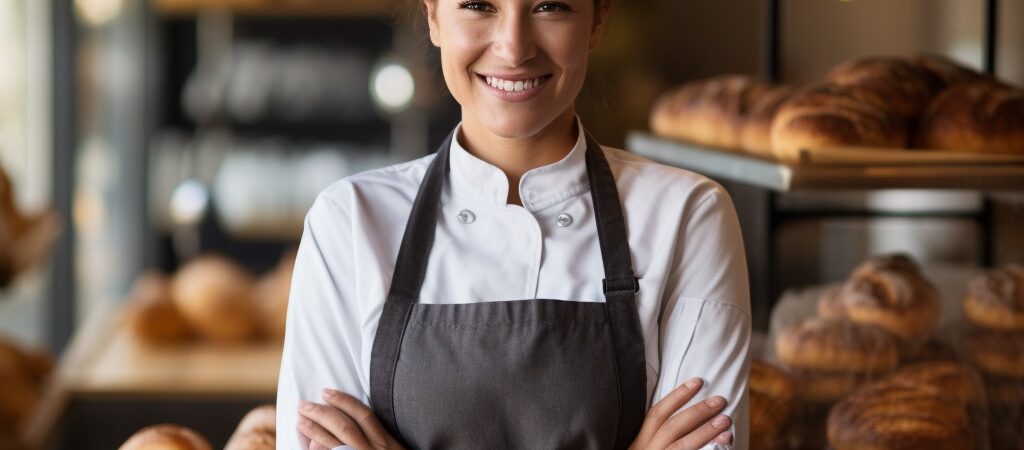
<point>539,187</point>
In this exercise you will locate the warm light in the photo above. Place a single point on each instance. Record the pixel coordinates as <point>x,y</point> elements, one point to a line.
<point>189,202</point>
<point>392,86</point>
<point>98,12</point>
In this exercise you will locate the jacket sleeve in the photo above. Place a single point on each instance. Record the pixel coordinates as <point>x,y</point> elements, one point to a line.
<point>705,327</point>
<point>322,343</point>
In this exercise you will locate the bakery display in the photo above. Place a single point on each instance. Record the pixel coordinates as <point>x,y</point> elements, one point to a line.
<point>865,104</point>
<point>995,299</point>
<point>256,431</point>
<point>997,353</point>
<point>979,116</point>
<point>216,298</point>
<point>166,437</point>
<point>772,391</point>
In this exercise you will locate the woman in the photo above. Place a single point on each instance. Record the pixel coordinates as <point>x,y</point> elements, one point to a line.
<point>523,287</point>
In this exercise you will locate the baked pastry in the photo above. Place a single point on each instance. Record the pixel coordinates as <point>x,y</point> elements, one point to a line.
<point>889,416</point>
<point>772,392</point>
<point>707,111</point>
<point>890,292</point>
<point>837,346</point>
<point>830,302</point>
<point>979,116</point>
<point>151,313</point>
<point>831,115</point>
<point>888,83</point>
<point>166,437</point>
<point>945,70</point>
<point>256,431</point>
<point>216,298</point>
<point>755,130</point>
<point>997,353</point>
<point>272,295</point>
<point>995,299</point>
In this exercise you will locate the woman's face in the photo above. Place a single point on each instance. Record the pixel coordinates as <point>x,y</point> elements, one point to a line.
<point>514,65</point>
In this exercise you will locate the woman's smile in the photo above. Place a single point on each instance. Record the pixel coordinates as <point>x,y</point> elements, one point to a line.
<point>514,88</point>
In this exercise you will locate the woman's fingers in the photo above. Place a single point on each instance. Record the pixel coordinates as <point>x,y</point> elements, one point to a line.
<point>364,417</point>
<point>686,426</point>
<point>314,445</point>
<point>335,422</point>
<point>316,433</point>
<point>706,434</point>
<point>664,408</point>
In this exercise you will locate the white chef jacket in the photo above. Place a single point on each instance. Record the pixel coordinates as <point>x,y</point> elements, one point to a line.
<point>684,237</point>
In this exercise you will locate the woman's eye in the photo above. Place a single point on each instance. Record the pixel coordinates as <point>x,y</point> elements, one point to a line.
<point>474,5</point>
<point>553,7</point>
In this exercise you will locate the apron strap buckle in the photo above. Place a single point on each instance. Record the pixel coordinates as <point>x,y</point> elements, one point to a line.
<point>621,284</point>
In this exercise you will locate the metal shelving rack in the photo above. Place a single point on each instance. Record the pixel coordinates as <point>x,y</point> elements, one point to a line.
<point>757,185</point>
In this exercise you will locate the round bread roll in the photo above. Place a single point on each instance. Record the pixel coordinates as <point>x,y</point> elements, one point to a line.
<point>151,313</point>
<point>997,353</point>
<point>216,298</point>
<point>755,132</point>
<point>888,83</point>
<point>947,71</point>
<point>837,346</point>
<point>166,437</point>
<point>829,115</point>
<point>995,299</point>
<point>272,295</point>
<point>772,391</point>
<point>707,111</point>
<point>256,431</point>
<point>979,116</point>
<point>890,292</point>
<point>895,417</point>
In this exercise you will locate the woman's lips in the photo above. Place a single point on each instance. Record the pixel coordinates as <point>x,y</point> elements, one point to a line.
<point>515,96</point>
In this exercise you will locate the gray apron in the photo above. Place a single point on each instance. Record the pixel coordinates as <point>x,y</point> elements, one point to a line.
<point>530,374</point>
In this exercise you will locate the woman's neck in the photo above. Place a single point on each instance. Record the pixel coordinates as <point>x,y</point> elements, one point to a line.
<point>516,156</point>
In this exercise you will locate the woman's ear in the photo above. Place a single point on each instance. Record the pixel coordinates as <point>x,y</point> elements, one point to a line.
<point>431,9</point>
<point>600,19</point>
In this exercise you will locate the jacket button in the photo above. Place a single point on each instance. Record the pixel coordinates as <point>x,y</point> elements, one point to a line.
<point>466,216</point>
<point>563,220</point>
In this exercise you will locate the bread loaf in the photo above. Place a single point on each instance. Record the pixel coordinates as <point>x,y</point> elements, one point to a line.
<point>979,116</point>
<point>887,83</point>
<point>151,313</point>
<point>830,115</point>
<point>216,298</point>
<point>890,292</point>
<point>772,392</point>
<point>708,112</point>
<point>256,431</point>
<point>166,437</point>
<point>835,345</point>
<point>995,299</point>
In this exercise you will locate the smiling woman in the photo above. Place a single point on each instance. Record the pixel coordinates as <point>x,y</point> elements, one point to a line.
<point>523,287</point>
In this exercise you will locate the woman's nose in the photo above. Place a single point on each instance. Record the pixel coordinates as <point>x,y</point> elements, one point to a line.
<point>513,40</point>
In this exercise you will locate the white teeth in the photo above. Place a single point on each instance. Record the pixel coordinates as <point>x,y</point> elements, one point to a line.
<point>513,86</point>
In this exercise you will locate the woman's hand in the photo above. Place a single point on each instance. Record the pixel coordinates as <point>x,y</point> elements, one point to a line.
<point>690,429</point>
<point>344,420</point>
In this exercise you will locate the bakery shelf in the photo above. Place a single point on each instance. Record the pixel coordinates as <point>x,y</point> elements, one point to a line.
<point>342,8</point>
<point>785,177</point>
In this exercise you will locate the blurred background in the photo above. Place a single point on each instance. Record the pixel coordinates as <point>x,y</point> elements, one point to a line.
<point>143,138</point>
